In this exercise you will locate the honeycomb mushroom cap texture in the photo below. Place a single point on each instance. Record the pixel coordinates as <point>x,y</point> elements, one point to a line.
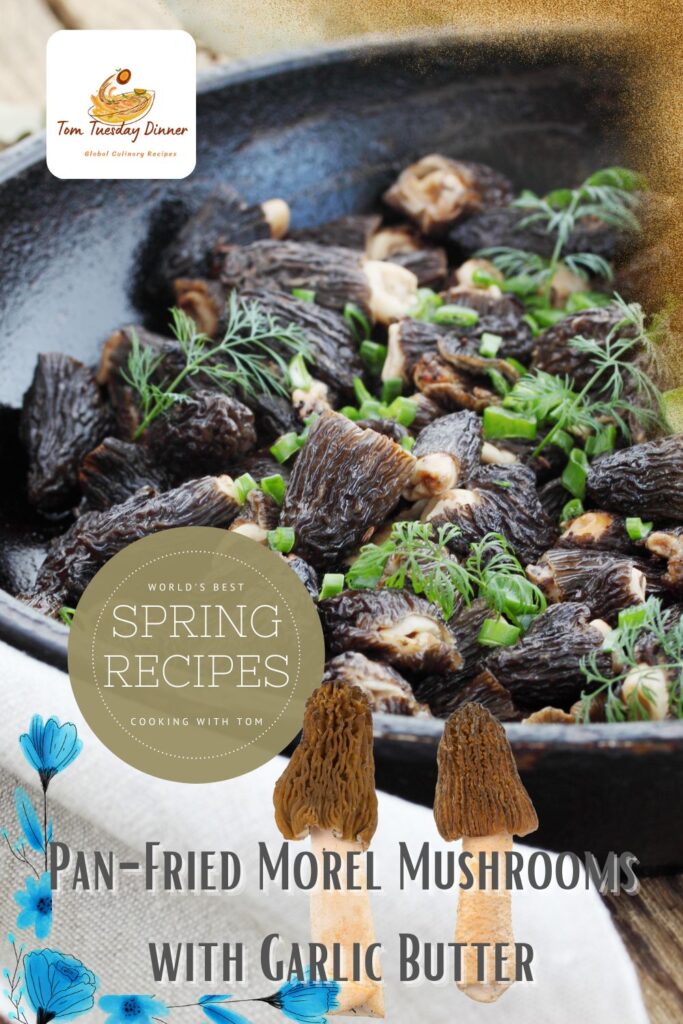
<point>479,791</point>
<point>329,782</point>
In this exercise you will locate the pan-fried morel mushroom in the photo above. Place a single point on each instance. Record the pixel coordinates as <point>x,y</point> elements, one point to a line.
<point>447,452</point>
<point>554,353</point>
<point>203,434</point>
<point>385,688</point>
<point>604,580</point>
<point>223,218</point>
<point>481,800</point>
<point>345,482</point>
<point>392,625</point>
<point>644,480</point>
<point>498,499</point>
<point>114,471</point>
<point>436,191</point>
<point>327,791</point>
<point>95,537</point>
<point>544,667</point>
<point>63,418</point>
<point>336,276</point>
<point>602,531</point>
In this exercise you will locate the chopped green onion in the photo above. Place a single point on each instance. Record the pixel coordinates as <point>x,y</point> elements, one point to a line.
<point>484,280</point>
<point>243,485</point>
<point>499,422</point>
<point>274,486</point>
<point>489,344</point>
<point>372,409</point>
<point>636,528</point>
<point>672,408</point>
<point>333,584</point>
<point>426,302</point>
<point>460,316</point>
<point>572,510</point>
<point>603,441</point>
<point>373,355</point>
<point>357,321</point>
<point>506,484</point>
<point>285,446</point>
<point>361,392</point>
<point>391,389</point>
<point>576,473</point>
<point>530,319</point>
<point>298,374</point>
<point>350,412</point>
<point>305,294</point>
<point>282,539</point>
<point>634,616</point>
<point>579,301</point>
<point>498,633</point>
<point>516,365</point>
<point>561,439</point>
<point>500,385</point>
<point>66,614</point>
<point>403,410</point>
<point>408,443</point>
<point>520,284</point>
<point>548,317</point>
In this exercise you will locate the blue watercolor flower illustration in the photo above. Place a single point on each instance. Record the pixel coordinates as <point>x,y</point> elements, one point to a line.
<point>131,1009</point>
<point>58,986</point>
<point>35,902</point>
<point>220,1014</point>
<point>306,1002</point>
<point>50,747</point>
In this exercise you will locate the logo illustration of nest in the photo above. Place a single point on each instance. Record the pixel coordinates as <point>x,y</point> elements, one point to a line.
<point>111,107</point>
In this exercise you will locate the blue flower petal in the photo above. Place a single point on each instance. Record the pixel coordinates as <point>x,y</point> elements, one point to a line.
<point>222,1015</point>
<point>58,985</point>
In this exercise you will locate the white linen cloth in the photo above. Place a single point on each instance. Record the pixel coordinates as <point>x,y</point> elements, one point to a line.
<point>582,972</point>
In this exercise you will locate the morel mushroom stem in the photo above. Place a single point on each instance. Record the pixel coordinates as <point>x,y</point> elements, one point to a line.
<point>484,915</point>
<point>481,800</point>
<point>344,917</point>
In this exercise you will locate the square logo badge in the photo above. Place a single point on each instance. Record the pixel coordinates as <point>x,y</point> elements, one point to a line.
<point>121,104</point>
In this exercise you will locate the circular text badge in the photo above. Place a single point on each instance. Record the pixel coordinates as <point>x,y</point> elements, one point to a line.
<point>192,654</point>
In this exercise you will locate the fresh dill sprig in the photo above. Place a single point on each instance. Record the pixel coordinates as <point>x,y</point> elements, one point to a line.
<point>249,357</point>
<point>413,555</point>
<point>609,195</point>
<point>500,579</point>
<point>619,388</point>
<point>663,635</point>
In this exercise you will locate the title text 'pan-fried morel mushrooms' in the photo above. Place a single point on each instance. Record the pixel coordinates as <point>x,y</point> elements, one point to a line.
<point>345,481</point>
<point>63,397</point>
<point>336,276</point>
<point>481,800</point>
<point>395,625</point>
<point>327,791</point>
<point>435,191</point>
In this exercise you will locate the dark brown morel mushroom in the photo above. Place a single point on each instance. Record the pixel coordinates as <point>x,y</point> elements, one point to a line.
<point>306,574</point>
<point>544,667</point>
<point>345,482</point>
<point>392,625</point>
<point>502,315</point>
<point>387,691</point>
<point>352,231</point>
<point>259,514</point>
<point>223,218</point>
<point>445,694</point>
<point>575,574</point>
<point>202,434</point>
<point>554,353</point>
<point>435,191</point>
<point>337,276</point>
<point>114,471</point>
<point>645,480</point>
<point>328,791</point>
<point>602,531</point>
<point>63,417</point>
<point>447,453</point>
<point>451,389</point>
<point>430,266</point>
<point>498,499</point>
<point>75,557</point>
<point>668,544</point>
<point>481,800</point>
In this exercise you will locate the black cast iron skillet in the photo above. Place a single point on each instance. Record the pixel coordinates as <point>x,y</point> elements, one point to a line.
<point>327,132</point>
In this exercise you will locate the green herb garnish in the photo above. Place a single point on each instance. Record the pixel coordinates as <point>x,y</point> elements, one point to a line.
<point>66,615</point>
<point>247,358</point>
